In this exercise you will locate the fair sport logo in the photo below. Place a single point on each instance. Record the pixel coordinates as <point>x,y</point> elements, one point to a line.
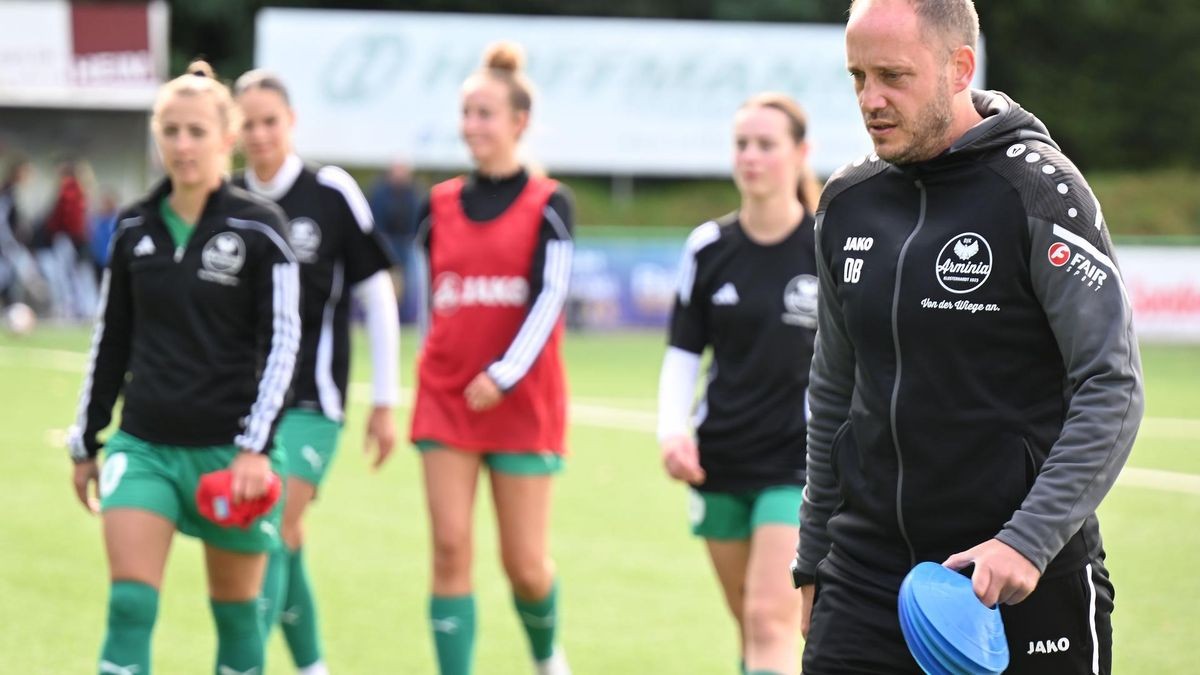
<point>1059,254</point>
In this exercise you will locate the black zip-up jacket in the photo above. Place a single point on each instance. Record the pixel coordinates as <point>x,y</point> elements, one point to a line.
<point>202,339</point>
<point>976,374</point>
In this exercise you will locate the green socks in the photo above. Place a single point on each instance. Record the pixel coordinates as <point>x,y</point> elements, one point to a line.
<point>132,608</point>
<point>239,642</point>
<point>452,620</point>
<point>299,616</point>
<point>275,582</point>
<point>287,599</point>
<point>540,620</point>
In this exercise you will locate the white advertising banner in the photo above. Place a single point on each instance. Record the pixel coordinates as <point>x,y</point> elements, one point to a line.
<point>1164,286</point>
<point>60,54</point>
<point>621,96</point>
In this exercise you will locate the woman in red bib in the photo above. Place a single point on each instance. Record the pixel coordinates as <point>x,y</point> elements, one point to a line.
<point>491,390</point>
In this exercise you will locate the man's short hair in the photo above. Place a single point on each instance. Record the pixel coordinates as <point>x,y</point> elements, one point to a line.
<point>954,20</point>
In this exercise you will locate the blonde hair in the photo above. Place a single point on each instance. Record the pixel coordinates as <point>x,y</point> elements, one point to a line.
<point>504,62</point>
<point>808,190</point>
<point>260,78</point>
<point>200,80</point>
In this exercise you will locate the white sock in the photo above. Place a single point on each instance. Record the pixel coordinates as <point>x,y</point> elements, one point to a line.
<point>555,665</point>
<point>317,668</point>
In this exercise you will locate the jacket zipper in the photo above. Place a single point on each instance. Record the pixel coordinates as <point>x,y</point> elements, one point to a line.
<point>181,251</point>
<point>912,555</point>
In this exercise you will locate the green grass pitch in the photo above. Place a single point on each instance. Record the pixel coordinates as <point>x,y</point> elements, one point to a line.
<point>638,593</point>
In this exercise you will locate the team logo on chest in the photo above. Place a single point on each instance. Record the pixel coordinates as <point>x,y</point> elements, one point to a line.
<point>222,258</point>
<point>800,301</point>
<point>451,292</point>
<point>726,295</point>
<point>304,236</point>
<point>145,247</point>
<point>964,263</point>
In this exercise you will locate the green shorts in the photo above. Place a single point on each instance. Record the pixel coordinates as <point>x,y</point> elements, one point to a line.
<point>162,479</point>
<point>509,463</point>
<point>735,515</point>
<point>311,439</point>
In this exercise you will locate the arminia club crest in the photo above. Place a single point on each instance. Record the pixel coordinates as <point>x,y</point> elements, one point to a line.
<point>305,239</point>
<point>800,301</point>
<point>222,258</point>
<point>964,263</point>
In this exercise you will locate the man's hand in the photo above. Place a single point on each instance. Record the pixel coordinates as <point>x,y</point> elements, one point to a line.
<point>381,432</point>
<point>482,393</point>
<point>681,459</point>
<point>1001,573</point>
<point>807,593</point>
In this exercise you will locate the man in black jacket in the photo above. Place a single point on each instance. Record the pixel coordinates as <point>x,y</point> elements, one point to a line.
<point>976,386</point>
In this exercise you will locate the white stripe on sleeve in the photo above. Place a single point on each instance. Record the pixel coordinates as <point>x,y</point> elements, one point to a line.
<point>327,390</point>
<point>424,302</point>
<point>270,233</point>
<point>338,179</point>
<point>281,360</point>
<point>556,221</point>
<point>1063,233</point>
<point>75,439</point>
<point>542,318</point>
<point>699,238</point>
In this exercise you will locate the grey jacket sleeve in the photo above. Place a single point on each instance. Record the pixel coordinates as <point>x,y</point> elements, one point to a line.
<point>1081,291</point>
<point>831,385</point>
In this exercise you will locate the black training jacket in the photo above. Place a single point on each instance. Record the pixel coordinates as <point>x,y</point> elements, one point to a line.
<point>330,230</point>
<point>202,339</point>
<point>976,373</point>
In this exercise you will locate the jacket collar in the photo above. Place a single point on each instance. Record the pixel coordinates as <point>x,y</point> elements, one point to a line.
<point>215,202</point>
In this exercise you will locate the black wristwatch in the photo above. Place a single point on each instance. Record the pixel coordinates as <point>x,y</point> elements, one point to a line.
<point>801,579</point>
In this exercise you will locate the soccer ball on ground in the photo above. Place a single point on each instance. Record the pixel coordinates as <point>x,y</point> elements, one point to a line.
<point>20,319</point>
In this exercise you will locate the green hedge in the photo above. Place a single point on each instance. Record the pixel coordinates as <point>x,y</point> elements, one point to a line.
<point>1150,203</point>
<point>1136,204</point>
<point>1159,203</point>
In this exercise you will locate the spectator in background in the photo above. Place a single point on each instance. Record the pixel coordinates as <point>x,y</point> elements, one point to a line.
<point>19,172</point>
<point>61,248</point>
<point>101,227</point>
<point>69,214</point>
<point>395,198</point>
<point>20,280</point>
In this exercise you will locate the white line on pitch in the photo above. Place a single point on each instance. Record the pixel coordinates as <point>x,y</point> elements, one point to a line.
<point>592,413</point>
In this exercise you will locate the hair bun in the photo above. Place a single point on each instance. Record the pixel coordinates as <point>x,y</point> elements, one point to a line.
<point>508,56</point>
<point>200,68</point>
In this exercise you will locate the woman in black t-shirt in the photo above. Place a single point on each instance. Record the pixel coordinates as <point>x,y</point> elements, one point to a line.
<point>747,290</point>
